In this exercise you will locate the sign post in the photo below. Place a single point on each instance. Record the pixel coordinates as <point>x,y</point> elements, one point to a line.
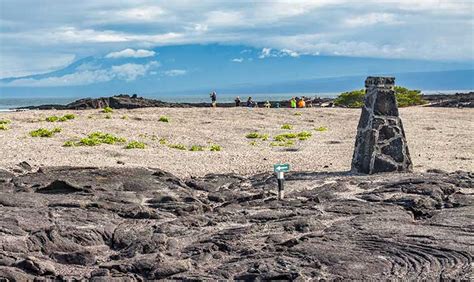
<point>280,169</point>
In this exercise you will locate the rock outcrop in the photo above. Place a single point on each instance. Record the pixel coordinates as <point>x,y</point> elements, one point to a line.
<point>380,143</point>
<point>458,100</point>
<point>136,224</point>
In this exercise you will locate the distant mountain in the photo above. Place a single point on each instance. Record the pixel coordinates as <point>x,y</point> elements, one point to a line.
<point>230,69</point>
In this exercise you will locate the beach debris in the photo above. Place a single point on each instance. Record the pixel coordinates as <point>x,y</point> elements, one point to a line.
<point>380,143</point>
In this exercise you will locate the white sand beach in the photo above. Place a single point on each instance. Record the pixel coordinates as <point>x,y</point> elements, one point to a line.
<point>438,138</point>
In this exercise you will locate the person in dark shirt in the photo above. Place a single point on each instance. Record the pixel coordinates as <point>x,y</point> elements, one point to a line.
<point>213,98</point>
<point>250,102</point>
<point>237,101</point>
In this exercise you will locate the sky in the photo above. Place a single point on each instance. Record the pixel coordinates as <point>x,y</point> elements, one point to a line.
<point>40,36</point>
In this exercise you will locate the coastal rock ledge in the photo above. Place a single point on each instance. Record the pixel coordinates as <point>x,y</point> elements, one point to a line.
<point>142,223</point>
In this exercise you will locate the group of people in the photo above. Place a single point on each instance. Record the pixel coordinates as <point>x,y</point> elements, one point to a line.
<point>295,102</point>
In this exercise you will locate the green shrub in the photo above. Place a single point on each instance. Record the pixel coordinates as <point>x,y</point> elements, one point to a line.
<point>287,143</point>
<point>124,117</point>
<point>107,110</point>
<point>284,136</point>
<point>264,137</point>
<point>162,141</point>
<point>69,144</point>
<point>69,116</point>
<point>195,148</point>
<point>253,135</point>
<point>177,146</point>
<point>108,116</point>
<point>4,127</point>
<point>97,138</point>
<point>406,97</point>
<point>321,128</point>
<point>5,121</point>
<point>279,138</point>
<point>52,119</point>
<point>303,134</point>
<point>287,126</point>
<point>253,143</point>
<point>352,99</point>
<point>62,119</point>
<point>43,132</point>
<point>297,114</point>
<point>135,145</point>
<point>164,119</point>
<point>215,148</point>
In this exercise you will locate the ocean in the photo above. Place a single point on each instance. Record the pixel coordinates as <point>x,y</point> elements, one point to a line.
<point>7,104</point>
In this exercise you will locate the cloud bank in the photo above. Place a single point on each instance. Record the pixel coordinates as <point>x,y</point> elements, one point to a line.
<point>423,29</point>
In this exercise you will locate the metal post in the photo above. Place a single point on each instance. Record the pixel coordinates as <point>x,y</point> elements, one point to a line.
<point>281,179</point>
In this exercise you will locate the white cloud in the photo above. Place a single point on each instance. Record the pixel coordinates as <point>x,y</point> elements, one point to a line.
<point>85,76</point>
<point>269,52</point>
<point>175,72</point>
<point>237,60</point>
<point>372,19</point>
<point>130,53</point>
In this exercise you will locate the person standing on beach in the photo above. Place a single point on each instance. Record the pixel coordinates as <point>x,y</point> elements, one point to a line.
<point>250,103</point>
<point>293,103</point>
<point>237,101</point>
<point>213,99</point>
<point>267,104</point>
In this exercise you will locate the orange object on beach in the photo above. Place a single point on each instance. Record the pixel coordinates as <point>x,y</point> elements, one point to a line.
<point>301,103</point>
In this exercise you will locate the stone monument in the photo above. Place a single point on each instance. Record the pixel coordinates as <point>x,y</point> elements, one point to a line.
<point>380,143</point>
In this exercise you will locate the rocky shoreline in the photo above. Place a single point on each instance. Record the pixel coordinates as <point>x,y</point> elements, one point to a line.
<point>144,223</point>
<point>124,101</point>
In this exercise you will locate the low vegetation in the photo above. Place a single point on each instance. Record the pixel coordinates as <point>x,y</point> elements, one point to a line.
<point>162,141</point>
<point>107,110</point>
<point>66,117</point>
<point>43,132</point>
<point>164,119</point>
<point>256,135</point>
<point>287,126</point>
<point>5,121</point>
<point>297,114</point>
<point>135,145</point>
<point>177,146</point>
<point>304,135</point>
<point>98,138</point>
<point>215,148</point>
<point>195,148</point>
<point>108,116</point>
<point>321,128</point>
<point>286,143</point>
<point>4,127</point>
<point>351,99</point>
<point>405,97</point>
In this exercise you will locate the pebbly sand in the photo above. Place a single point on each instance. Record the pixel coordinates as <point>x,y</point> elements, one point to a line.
<point>438,138</point>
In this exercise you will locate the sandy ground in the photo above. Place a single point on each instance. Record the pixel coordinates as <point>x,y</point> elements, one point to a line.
<point>438,138</point>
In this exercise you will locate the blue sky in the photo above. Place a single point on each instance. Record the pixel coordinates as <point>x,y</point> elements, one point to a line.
<point>48,35</point>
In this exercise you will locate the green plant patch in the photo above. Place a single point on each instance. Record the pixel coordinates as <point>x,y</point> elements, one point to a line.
<point>5,121</point>
<point>304,134</point>
<point>215,148</point>
<point>108,116</point>
<point>287,126</point>
<point>69,144</point>
<point>321,128</point>
<point>253,143</point>
<point>124,117</point>
<point>253,135</point>
<point>66,117</point>
<point>97,138</point>
<point>406,97</point>
<point>52,119</point>
<point>162,141</point>
<point>297,114</point>
<point>164,119</point>
<point>287,143</point>
<point>107,110</point>
<point>43,132</point>
<point>177,146</point>
<point>135,145</point>
<point>4,127</point>
<point>351,99</point>
<point>195,148</point>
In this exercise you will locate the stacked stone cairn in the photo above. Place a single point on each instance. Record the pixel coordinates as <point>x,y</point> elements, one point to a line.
<point>380,143</point>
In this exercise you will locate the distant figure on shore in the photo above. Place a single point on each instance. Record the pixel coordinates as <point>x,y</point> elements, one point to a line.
<point>267,104</point>
<point>250,102</point>
<point>301,102</point>
<point>213,99</point>
<point>293,103</point>
<point>237,101</point>
<point>309,102</point>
